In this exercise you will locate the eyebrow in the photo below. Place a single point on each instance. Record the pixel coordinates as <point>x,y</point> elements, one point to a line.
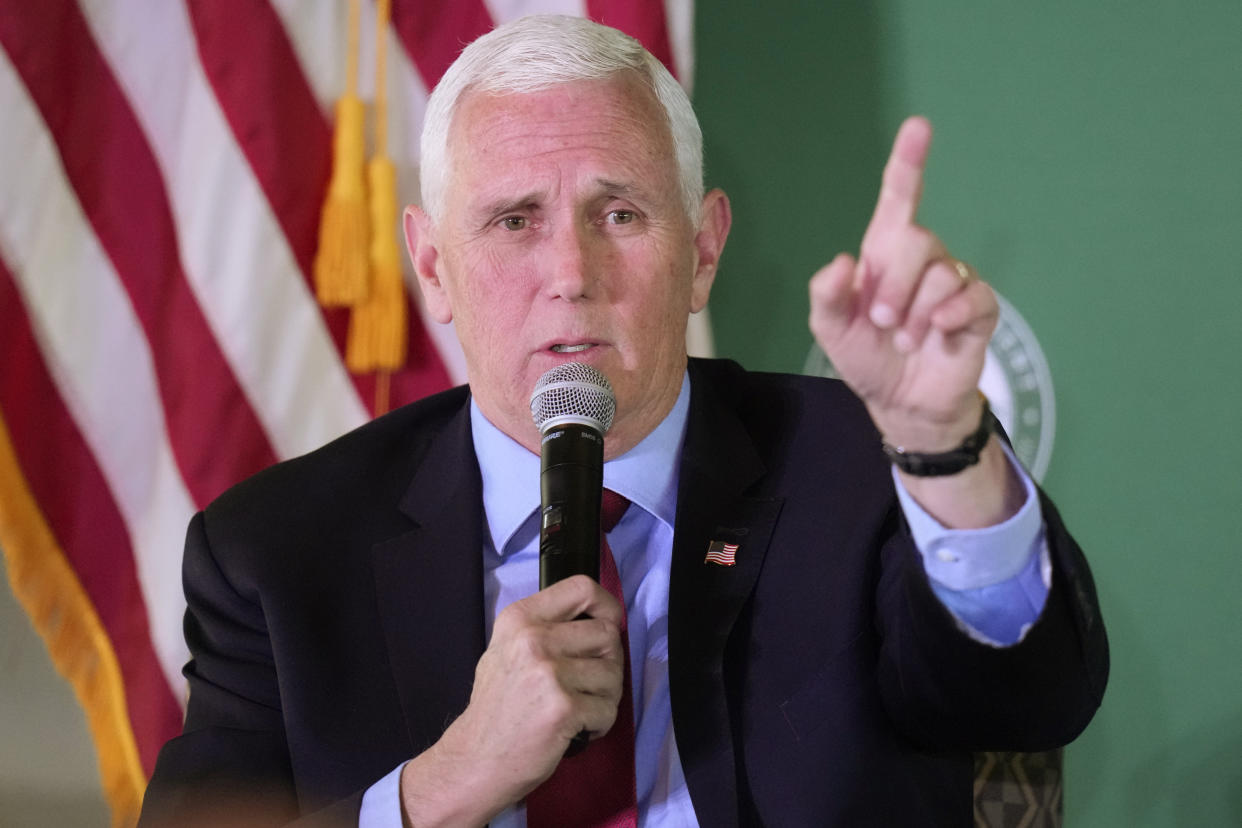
<point>500,206</point>
<point>508,205</point>
<point>615,188</point>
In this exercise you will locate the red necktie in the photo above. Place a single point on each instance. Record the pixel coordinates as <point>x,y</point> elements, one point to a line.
<point>596,788</point>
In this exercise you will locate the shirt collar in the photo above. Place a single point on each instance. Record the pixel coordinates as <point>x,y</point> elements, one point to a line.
<point>646,474</point>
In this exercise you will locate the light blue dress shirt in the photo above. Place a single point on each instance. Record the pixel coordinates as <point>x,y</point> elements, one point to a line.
<point>994,581</point>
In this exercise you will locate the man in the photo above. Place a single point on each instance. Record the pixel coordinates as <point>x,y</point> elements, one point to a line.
<point>365,622</point>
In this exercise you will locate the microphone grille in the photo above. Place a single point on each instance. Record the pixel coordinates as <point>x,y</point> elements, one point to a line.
<point>573,392</point>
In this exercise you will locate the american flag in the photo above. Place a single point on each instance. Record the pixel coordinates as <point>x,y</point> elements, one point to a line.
<point>163,165</point>
<point>719,552</point>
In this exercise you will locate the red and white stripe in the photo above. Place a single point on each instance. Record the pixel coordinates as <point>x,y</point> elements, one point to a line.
<point>724,554</point>
<point>162,169</point>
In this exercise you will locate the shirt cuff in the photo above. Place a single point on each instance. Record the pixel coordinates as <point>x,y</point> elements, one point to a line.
<point>381,803</point>
<point>994,581</point>
<point>963,559</point>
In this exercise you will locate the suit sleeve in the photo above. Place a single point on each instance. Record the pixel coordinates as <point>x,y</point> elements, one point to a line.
<point>943,688</point>
<point>231,765</point>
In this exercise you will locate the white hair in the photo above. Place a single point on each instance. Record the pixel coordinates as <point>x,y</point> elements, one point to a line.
<point>539,51</point>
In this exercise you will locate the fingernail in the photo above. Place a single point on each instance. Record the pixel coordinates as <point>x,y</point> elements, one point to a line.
<point>883,316</point>
<point>903,342</point>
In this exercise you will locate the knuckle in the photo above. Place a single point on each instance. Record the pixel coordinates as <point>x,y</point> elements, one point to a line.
<point>987,294</point>
<point>616,669</point>
<point>604,715</point>
<point>606,633</point>
<point>578,588</point>
<point>611,629</point>
<point>513,616</point>
<point>919,236</point>
<point>527,644</point>
<point>944,269</point>
<point>557,706</point>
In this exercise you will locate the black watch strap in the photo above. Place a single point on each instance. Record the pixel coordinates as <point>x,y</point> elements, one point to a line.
<point>946,462</point>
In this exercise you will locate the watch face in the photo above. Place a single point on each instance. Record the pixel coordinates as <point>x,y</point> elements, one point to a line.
<point>1016,381</point>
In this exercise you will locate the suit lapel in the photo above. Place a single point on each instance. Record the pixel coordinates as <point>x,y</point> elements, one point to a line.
<point>428,585</point>
<point>719,464</point>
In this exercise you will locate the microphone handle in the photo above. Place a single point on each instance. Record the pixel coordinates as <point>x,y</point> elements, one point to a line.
<point>570,481</point>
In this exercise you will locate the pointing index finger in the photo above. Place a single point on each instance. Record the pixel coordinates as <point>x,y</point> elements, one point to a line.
<point>903,175</point>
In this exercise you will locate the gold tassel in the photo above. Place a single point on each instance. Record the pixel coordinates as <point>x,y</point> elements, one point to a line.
<point>378,325</point>
<point>341,261</point>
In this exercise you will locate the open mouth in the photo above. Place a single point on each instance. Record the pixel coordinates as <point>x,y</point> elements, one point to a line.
<point>561,348</point>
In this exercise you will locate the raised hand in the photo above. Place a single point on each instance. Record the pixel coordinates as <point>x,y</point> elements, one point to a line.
<point>906,325</point>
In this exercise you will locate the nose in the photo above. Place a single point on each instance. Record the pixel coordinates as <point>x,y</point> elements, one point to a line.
<point>571,265</point>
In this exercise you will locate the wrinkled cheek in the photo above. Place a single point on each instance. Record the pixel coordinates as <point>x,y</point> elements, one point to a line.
<point>504,280</point>
<point>496,259</point>
<point>491,285</point>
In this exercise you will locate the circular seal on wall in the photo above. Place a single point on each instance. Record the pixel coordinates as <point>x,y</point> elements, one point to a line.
<point>1017,383</point>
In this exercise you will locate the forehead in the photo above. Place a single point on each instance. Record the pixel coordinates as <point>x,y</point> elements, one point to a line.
<point>617,122</point>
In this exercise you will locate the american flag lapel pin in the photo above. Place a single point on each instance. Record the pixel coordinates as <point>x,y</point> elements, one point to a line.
<point>721,553</point>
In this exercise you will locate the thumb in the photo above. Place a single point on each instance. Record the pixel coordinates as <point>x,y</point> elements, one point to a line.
<point>834,299</point>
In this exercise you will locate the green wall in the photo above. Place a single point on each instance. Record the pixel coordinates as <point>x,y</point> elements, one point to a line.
<point>1087,162</point>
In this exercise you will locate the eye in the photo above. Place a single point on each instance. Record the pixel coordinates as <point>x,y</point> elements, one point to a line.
<point>621,217</point>
<point>514,222</point>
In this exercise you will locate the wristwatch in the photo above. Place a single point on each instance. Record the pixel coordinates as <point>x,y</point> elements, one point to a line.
<point>946,462</point>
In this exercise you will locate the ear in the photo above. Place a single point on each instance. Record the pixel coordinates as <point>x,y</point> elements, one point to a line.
<point>420,241</point>
<point>715,219</point>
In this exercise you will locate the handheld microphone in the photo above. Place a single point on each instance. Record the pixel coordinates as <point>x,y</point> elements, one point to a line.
<point>572,406</point>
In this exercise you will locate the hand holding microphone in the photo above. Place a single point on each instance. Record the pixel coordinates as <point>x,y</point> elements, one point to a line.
<point>572,406</point>
<point>554,670</point>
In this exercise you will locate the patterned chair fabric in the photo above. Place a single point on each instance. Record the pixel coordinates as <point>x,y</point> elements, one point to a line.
<point>1018,790</point>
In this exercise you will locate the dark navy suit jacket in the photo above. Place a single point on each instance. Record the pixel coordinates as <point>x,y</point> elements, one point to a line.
<point>336,616</point>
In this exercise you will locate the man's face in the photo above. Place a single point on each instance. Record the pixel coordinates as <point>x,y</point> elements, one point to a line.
<point>564,237</point>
